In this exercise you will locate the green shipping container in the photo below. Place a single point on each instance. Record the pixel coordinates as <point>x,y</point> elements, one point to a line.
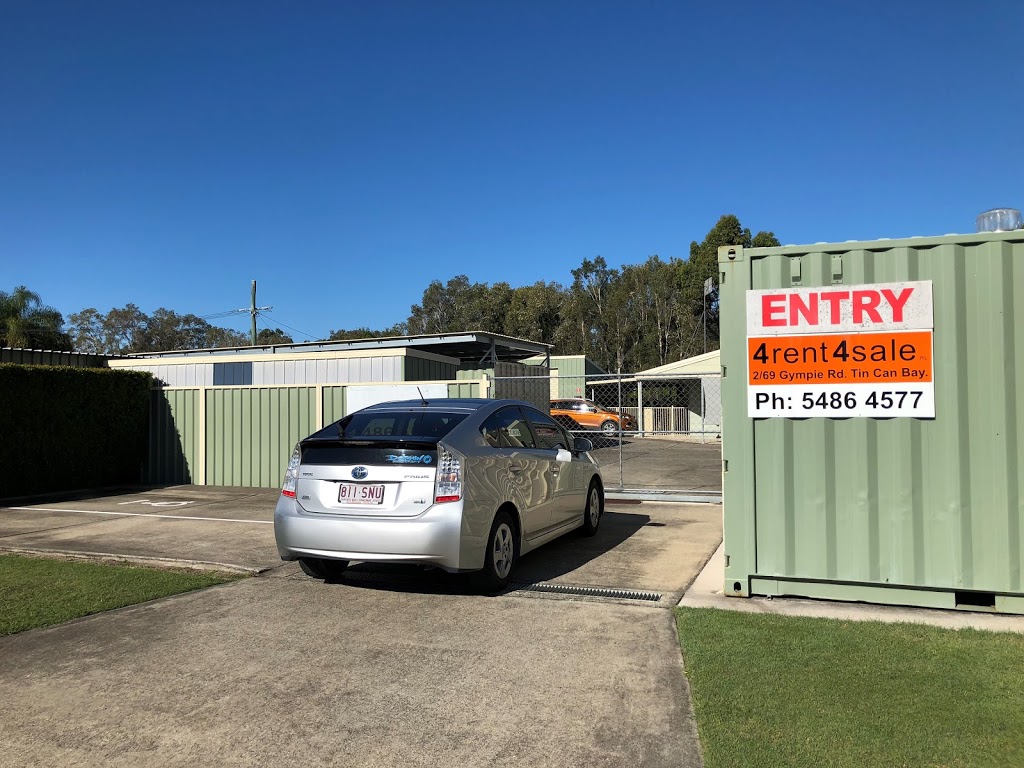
<point>837,486</point>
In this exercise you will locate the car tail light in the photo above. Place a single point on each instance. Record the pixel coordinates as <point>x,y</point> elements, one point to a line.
<point>291,475</point>
<point>448,486</point>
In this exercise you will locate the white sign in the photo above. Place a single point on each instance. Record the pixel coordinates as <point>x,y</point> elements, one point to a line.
<point>357,398</point>
<point>835,308</point>
<point>841,351</point>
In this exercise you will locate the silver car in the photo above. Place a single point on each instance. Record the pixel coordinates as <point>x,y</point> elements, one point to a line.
<point>465,485</point>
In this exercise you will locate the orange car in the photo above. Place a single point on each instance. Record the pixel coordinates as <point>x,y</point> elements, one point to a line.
<point>575,412</point>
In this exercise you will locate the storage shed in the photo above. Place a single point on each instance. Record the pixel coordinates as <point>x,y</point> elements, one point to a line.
<point>232,416</point>
<point>873,422</point>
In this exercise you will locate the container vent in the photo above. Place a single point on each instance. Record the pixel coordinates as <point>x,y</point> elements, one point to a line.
<point>999,220</point>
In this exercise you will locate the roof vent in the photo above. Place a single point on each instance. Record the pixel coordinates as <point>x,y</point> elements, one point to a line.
<point>999,220</point>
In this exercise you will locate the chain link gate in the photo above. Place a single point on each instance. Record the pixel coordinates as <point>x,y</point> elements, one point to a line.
<point>653,435</point>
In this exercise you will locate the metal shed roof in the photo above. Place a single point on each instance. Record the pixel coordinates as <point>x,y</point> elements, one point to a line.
<point>469,346</point>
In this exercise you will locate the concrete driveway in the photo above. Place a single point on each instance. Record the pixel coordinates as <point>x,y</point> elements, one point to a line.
<point>661,464</point>
<point>382,667</point>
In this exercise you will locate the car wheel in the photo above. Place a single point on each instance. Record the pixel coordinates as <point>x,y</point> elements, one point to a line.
<point>322,569</point>
<point>609,427</point>
<point>593,510</point>
<point>500,556</point>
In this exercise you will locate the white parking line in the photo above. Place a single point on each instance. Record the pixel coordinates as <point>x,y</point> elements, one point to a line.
<point>142,514</point>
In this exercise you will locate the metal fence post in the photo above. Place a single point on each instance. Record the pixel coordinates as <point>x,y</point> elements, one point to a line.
<point>703,412</point>
<point>640,408</point>
<point>621,481</point>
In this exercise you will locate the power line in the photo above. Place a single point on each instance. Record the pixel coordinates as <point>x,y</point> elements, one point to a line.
<point>278,322</point>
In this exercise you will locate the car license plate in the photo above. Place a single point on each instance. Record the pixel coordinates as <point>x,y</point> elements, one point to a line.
<point>360,493</point>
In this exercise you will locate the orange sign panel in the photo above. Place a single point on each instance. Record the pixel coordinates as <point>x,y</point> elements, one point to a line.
<point>840,358</point>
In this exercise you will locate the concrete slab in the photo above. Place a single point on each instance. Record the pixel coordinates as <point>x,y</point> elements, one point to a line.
<point>655,547</point>
<point>220,526</point>
<point>707,592</point>
<point>250,545</point>
<point>269,671</point>
<point>660,463</point>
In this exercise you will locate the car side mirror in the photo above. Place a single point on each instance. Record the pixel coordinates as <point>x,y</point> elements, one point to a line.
<point>582,445</point>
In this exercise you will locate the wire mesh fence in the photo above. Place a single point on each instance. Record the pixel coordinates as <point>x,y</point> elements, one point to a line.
<point>651,433</point>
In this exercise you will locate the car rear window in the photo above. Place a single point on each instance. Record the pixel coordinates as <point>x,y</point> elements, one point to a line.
<point>420,425</point>
<point>340,453</point>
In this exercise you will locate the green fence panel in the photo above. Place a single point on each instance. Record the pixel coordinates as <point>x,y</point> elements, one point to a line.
<point>464,389</point>
<point>174,437</point>
<point>250,432</point>
<point>334,404</point>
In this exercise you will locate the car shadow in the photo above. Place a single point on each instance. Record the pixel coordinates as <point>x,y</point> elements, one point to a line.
<point>551,561</point>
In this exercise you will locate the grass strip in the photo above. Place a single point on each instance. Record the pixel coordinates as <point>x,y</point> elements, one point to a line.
<point>38,592</point>
<point>777,691</point>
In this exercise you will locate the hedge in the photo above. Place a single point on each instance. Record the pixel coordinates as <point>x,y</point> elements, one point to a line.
<point>70,428</point>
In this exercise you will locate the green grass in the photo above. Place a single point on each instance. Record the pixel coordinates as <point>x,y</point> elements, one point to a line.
<point>775,691</point>
<point>37,592</point>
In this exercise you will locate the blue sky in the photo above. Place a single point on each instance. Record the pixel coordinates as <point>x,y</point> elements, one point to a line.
<point>345,154</point>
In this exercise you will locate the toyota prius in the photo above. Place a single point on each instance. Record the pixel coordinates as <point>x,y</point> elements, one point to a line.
<point>461,484</point>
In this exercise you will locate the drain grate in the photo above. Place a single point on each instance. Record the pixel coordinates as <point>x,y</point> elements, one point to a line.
<point>569,589</point>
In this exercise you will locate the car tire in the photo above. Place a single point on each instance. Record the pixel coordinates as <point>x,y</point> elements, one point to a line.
<point>322,569</point>
<point>500,556</point>
<point>609,427</point>
<point>593,511</point>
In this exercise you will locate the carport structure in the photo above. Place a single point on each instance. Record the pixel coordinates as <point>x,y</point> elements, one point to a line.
<point>230,417</point>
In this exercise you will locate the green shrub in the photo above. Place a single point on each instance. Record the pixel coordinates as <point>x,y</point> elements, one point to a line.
<point>68,428</point>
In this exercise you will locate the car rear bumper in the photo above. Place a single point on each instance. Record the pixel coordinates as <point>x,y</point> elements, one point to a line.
<point>433,537</point>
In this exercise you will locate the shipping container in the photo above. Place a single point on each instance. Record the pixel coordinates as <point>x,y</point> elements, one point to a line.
<point>873,428</point>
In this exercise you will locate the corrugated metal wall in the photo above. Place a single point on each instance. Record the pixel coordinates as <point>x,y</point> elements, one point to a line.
<point>182,375</point>
<point>271,372</point>
<point>334,404</point>
<point>424,369</point>
<point>572,380</point>
<point>174,437</point>
<point>250,432</point>
<point>464,389</point>
<point>355,370</point>
<point>932,503</point>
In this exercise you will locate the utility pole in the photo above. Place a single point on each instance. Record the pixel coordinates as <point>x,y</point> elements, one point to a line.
<point>253,311</point>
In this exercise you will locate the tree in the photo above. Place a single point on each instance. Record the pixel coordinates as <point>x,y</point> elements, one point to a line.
<point>268,337</point>
<point>28,323</point>
<point>534,312</point>
<point>123,330</point>
<point>703,264</point>
<point>86,330</point>
<point>365,333</point>
<point>217,337</point>
<point>459,305</point>
<point>167,330</point>
<point>584,324</point>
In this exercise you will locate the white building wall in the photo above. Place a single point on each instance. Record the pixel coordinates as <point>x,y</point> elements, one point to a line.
<point>191,375</point>
<point>353,370</point>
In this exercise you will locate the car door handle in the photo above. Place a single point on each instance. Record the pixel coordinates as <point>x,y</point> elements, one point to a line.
<point>515,469</point>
